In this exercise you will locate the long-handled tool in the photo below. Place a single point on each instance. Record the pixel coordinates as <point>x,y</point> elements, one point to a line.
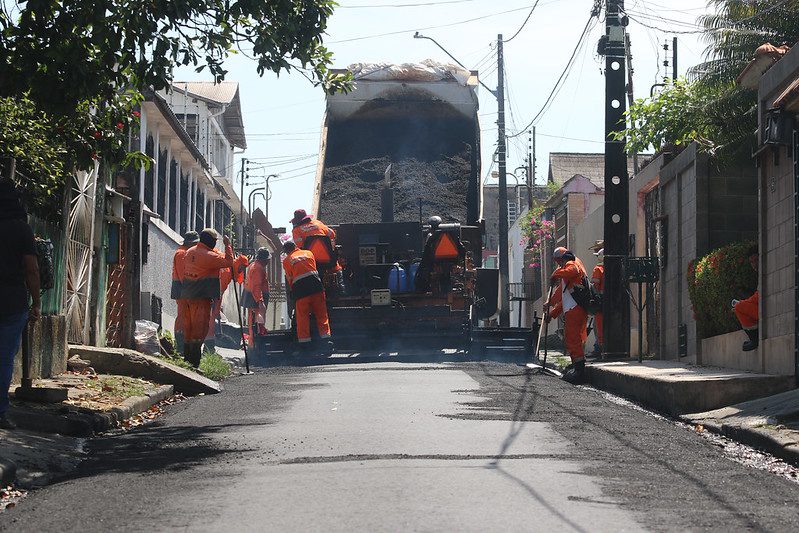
<point>241,324</point>
<point>542,367</point>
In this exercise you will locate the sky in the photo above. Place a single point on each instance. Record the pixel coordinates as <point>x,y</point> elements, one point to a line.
<point>283,115</point>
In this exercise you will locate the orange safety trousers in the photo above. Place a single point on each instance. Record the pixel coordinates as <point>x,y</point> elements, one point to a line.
<point>315,303</point>
<point>216,309</point>
<point>183,308</point>
<point>746,311</point>
<point>195,321</point>
<point>598,331</point>
<point>575,332</point>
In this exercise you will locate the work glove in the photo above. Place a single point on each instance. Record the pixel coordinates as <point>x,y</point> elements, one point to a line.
<point>734,303</point>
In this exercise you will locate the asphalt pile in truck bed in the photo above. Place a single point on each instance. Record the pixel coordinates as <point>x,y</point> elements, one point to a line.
<point>430,161</point>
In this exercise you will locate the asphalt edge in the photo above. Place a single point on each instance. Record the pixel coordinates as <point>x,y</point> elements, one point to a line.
<point>764,439</point>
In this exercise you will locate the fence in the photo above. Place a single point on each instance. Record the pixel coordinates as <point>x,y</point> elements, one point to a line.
<point>53,299</point>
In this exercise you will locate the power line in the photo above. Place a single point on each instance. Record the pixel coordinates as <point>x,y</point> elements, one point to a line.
<point>530,14</point>
<point>580,42</point>
<point>421,4</point>
<point>386,34</point>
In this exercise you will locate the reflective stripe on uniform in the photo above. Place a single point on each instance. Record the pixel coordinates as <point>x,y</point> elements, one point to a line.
<point>201,288</point>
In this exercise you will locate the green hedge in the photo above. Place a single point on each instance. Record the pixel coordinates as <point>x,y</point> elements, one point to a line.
<point>715,280</point>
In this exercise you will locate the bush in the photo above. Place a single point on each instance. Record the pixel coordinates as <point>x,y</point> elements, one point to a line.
<point>715,280</point>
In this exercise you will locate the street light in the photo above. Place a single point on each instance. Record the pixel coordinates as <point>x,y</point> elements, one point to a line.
<point>495,175</point>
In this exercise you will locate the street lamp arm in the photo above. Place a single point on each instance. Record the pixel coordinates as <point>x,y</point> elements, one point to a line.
<point>418,35</point>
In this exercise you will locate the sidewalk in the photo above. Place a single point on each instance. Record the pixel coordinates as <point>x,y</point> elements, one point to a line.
<point>675,388</point>
<point>770,423</point>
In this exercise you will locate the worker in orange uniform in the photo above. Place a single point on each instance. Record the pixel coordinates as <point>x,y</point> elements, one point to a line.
<point>748,314</point>
<point>303,227</point>
<point>598,281</point>
<point>569,274</point>
<point>308,294</point>
<point>189,239</point>
<point>200,286</point>
<point>225,277</point>
<point>256,293</point>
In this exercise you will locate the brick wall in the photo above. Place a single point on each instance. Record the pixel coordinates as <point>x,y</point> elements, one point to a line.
<point>777,244</point>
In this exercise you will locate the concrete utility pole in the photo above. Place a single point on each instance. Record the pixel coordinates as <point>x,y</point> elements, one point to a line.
<point>530,168</point>
<point>630,93</point>
<point>616,306</point>
<point>241,209</point>
<point>504,309</point>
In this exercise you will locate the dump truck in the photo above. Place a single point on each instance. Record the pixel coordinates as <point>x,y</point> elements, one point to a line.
<point>398,178</point>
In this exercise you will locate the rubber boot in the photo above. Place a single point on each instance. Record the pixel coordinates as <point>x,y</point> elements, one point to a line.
<point>576,375</point>
<point>327,348</point>
<point>194,352</point>
<point>179,341</point>
<point>752,343</point>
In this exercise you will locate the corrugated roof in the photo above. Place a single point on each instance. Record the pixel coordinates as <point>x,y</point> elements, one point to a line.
<point>226,94</point>
<point>565,165</point>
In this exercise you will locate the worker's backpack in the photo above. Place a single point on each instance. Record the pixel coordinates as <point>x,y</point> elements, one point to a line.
<point>587,297</point>
<point>44,256</point>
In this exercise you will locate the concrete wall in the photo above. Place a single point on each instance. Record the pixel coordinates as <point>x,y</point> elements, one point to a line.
<point>156,274</point>
<point>678,195</point>
<point>777,238</point>
<point>48,343</point>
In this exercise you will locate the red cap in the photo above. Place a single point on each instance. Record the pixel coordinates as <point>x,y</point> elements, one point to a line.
<point>299,216</point>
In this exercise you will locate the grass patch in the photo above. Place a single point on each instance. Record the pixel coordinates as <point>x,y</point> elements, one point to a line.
<point>119,386</point>
<point>214,366</point>
<point>176,360</point>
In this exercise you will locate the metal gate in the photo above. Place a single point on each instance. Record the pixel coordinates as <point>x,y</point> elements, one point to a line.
<point>651,218</point>
<point>80,242</point>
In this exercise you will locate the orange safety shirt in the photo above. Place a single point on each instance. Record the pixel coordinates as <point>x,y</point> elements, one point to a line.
<point>301,274</point>
<point>177,271</point>
<point>570,274</point>
<point>257,281</point>
<point>201,272</point>
<point>310,229</point>
<point>598,278</point>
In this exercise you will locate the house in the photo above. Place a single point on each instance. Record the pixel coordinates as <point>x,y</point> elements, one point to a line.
<point>565,165</point>
<point>774,73</point>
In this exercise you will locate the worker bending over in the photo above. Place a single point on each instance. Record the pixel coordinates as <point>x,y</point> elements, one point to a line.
<point>569,274</point>
<point>598,281</point>
<point>256,294</point>
<point>304,226</point>
<point>225,277</point>
<point>308,294</point>
<point>178,263</point>
<point>748,314</point>
<point>200,286</point>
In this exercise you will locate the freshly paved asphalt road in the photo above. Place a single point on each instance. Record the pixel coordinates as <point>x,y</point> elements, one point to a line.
<point>388,447</point>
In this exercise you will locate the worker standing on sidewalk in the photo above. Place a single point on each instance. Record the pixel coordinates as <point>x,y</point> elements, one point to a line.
<point>568,277</point>
<point>748,314</point>
<point>178,263</point>
<point>598,281</point>
<point>256,294</point>
<point>200,286</point>
<point>308,294</point>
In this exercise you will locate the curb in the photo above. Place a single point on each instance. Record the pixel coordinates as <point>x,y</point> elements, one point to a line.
<point>8,472</point>
<point>86,423</point>
<point>763,439</point>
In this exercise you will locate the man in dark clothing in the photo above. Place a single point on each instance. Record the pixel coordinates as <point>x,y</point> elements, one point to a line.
<point>19,276</point>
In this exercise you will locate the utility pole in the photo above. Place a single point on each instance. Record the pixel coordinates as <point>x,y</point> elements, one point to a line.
<point>616,307</point>
<point>504,310</point>
<point>241,209</point>
<point>630,94</point>
<point>530,167</point>
<point>674,70</point>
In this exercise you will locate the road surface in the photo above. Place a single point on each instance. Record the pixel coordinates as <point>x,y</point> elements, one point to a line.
<point>389,446</point>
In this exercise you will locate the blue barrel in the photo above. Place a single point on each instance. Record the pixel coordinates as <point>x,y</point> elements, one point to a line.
<point>411,278</point>
<point>397,280</point>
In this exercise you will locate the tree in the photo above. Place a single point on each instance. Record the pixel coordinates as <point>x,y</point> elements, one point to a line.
<point>72,72</point>
<point>62,53</point>
<point>709,107</point>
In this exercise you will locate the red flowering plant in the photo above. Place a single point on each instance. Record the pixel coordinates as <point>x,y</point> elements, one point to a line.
<point>715,280</point>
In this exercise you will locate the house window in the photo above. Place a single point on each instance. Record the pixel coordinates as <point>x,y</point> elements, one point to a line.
<point>161,208</point>
<point>184,202</point>
<point>219,214</point>
<point>191,125</point>
<point>173,194</point>
<point>148,174</point>
<point>200,210</point>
